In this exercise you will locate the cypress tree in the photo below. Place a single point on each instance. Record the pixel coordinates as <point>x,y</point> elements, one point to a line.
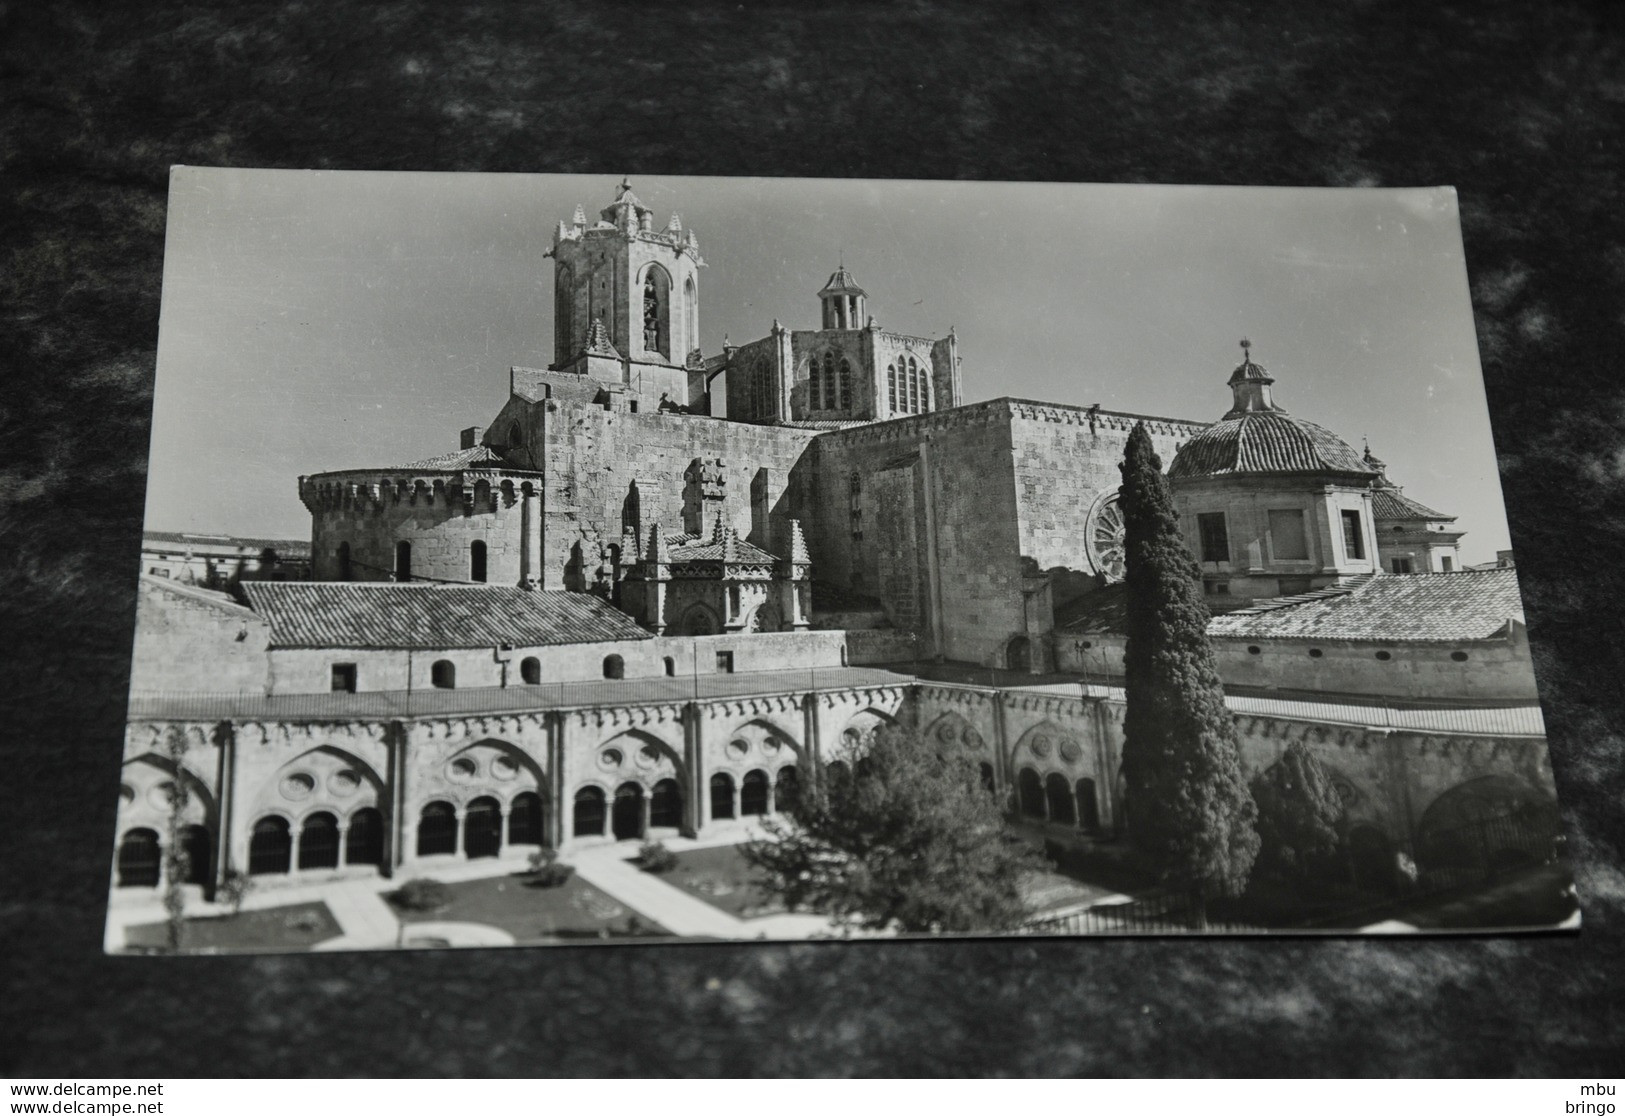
<point>1189,807</point>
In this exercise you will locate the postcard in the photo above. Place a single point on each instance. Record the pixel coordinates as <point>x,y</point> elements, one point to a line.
<point>540,560</point>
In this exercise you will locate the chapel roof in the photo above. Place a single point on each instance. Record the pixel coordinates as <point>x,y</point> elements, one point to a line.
<point>1388,502</point>
<point>385,615</point>
<point>709,548</point>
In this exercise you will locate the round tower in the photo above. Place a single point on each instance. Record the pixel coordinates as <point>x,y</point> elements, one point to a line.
<point>845,303</point>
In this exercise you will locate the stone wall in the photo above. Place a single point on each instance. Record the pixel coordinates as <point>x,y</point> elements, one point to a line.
<point>191,640</point>
<point>595,457</point>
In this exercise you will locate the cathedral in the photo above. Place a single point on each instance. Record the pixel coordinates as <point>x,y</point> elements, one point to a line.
<point>661,586</point>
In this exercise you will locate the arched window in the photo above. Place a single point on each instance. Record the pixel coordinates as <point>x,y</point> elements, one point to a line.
<point>1088,806</point>
<point>525,819</point>
<point>270,847</point>
<point>476,561</point>
<point>846,385</point>
<point>530,670</point>
<point>138,859</point>
<point>1059,794</point>
<point>671,667</point>
<point>403,561</point>
<point>986,770</point>
<point>443,675</point>
<point>913,387</point>
<point>364,839</point>
<point>1031,791</point>
<point>319,842</point>
<point>753,794</point>
<point>786,789</point>
<point>722,796</point>
<point>657,312</point>
<point>826,383</point>
<point>589,813</point>
<point>564,312</point>
<point>437,830</point>
<point>627,816</point>
<point>1018,654</point>
<point>346,572</point>
<point>891,386</point>
<point>666,804</point>
<point>482,828</point>
<point>198,846</point>
<point>614,666</point>
<point>691,308</point>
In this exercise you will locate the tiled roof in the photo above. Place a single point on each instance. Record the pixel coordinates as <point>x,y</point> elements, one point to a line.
<point>708,548</point>
<point>1266,442</point>
<point>384,615</point>
<point>210,597</point>
<point>1467,605</point>
<point>480,457</point>
<point>1388,502</point>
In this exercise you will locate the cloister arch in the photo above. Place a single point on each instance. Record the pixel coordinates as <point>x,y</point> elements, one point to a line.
<point>1485,825</point>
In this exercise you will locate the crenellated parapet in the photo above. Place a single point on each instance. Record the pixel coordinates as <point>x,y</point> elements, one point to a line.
<point>469,491</point>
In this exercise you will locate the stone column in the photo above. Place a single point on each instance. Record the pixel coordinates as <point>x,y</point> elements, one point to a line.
<point>557,817</point>
<point>694,760</point>
<point>225,813</point>
<point>395,833</point>
<point>530,540</point>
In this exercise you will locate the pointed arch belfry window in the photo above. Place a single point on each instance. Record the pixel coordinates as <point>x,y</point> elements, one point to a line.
<point>657,311</point>
<point>913,387</point>
<point>891,386</point>
<point>846,385</point>
<point>826,384</point>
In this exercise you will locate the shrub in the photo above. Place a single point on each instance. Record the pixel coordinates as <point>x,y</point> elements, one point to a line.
<point>233,889</point>
<point>423,895</point>
<point>656,857</point>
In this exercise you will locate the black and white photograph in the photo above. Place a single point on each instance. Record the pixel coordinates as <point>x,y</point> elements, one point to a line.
<point>537,560</point>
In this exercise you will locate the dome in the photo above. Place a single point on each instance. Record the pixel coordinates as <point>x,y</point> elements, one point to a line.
<point>841,283</point>
<point>1262,442</point>
<point>1257,438</point>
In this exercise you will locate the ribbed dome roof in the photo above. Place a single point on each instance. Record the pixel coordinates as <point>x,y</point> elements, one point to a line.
<point>841,283</point>
<point>1257,442</point>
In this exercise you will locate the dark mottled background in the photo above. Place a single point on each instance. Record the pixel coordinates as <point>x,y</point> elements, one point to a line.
<point>1520,106</point>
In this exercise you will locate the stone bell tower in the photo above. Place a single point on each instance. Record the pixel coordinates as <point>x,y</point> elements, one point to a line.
<point>642,283</point>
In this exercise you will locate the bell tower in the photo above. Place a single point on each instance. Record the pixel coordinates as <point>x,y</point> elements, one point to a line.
<point>642,283</point>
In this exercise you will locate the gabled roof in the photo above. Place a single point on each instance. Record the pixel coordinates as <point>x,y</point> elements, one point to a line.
<point>708,548</point>
<point>1417,608</point>
<point>384,615</point>
<point>210,598</point>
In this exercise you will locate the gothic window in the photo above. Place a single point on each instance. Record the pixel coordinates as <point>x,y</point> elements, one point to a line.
<point>319,842</point>
<point>891,386</point>
<point>626,816</point>
<point>525,819</point>
<point>198,848</point>
<point>666,804</point>
<point>364,839</point>
<point>722,796</point>
<point>437,830</point>
<point>1060,799</point>
<point>563,297</point>
<point>1088,806</point>
<point>138,859</point>
<point>589,812</point>
<point>826,384</point>
<point>269,847</point>
<point>846,385</point>
<point>1030,790</point>
<point>482,828</point>
<point>913,386</point>
<point>443,675</point>
<point>855,505</point>
<point>785,789</point>
<point>753,794</point>
<point>530,671</point>
<point>691,307</point>
<point>476,561</point>
<point>657,312</point>
<point>403,561</point>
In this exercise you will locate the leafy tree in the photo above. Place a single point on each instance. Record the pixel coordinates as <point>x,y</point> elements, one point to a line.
<point>910,841</point>
<point>1299,811</point>
<point>1188,805</point>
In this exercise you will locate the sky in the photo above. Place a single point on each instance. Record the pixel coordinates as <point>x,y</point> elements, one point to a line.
<point>321,320</point>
